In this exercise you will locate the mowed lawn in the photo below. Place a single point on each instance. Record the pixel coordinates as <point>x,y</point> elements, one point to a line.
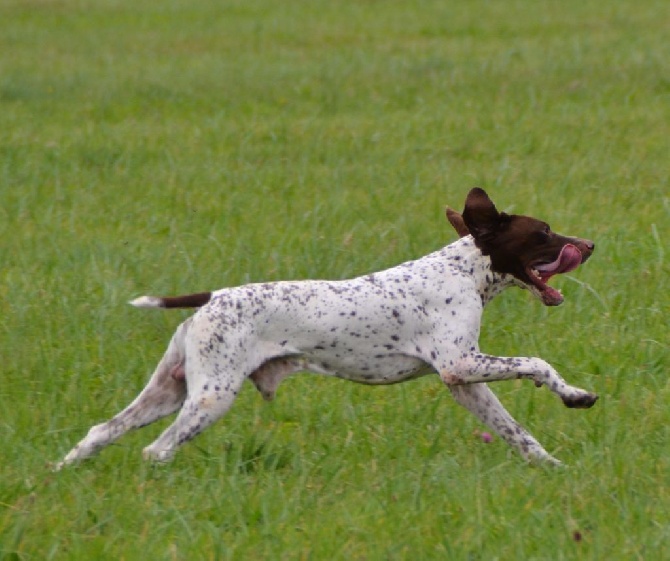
<point>173,146</point>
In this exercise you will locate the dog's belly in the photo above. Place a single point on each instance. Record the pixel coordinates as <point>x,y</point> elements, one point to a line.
<point>375,370</point>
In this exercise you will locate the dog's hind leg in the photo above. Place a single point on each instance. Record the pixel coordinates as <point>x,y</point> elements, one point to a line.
<point>209,398</point>
<point>163,395</point>
<point>482,402</point>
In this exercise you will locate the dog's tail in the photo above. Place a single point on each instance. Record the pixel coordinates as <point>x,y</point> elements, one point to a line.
<point>187,301</point>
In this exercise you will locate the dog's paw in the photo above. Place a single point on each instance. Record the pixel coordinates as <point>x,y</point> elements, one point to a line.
<point>56,466</point>
<point>541,458</point>
<point>580,401</point>
<point>150,454</point>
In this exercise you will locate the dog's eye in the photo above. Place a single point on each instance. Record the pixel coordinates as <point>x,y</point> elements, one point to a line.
<point>543,236</point>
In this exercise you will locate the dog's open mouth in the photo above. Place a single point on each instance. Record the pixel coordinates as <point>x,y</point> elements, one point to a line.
<point>568,260</point>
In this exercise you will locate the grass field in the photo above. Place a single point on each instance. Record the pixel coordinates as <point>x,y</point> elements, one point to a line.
<point>181,145</point>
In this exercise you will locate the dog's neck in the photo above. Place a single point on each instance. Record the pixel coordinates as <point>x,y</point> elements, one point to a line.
<point>464,256</point>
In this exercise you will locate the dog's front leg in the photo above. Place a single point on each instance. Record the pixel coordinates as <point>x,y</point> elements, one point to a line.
<point>478,367</point>
<point>482,402</point>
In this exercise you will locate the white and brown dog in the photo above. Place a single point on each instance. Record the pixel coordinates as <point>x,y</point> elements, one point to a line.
<point>392,326</point>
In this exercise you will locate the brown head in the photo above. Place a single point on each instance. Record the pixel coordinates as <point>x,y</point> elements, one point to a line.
<point>519,245</point>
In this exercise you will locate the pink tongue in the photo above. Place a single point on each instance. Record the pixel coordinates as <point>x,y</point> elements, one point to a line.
<point>569,259</point>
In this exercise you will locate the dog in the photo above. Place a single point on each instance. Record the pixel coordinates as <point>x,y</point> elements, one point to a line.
<point>392,326</point>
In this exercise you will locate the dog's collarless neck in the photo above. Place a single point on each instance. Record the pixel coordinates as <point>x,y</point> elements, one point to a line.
<point>469,259</point>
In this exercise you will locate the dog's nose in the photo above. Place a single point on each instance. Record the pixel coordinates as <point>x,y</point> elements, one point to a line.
<point>587,249</point>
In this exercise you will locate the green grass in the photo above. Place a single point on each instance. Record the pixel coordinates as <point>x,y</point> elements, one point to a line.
<point>181,145</point>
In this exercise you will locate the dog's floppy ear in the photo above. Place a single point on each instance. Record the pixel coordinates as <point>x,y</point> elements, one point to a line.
<point>481,217</point>
<point>456,220</point>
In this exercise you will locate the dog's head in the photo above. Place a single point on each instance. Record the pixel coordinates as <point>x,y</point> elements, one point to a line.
<point>520,245</point>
